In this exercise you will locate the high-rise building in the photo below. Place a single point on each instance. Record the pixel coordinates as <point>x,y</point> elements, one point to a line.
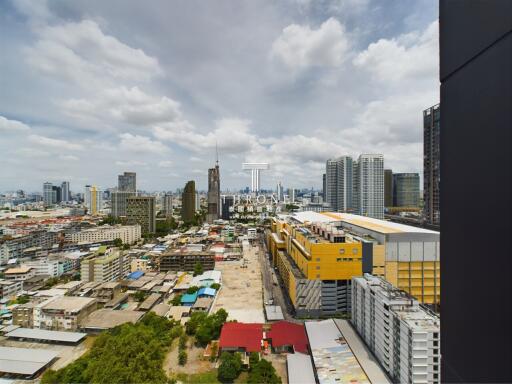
<point>65,193</point>
<point>406,190</point>
<point>476,175</point>
<point>323,185</point>
<point>93,198</point>
<point>370,186</point>
<point>388,188</point>
<point>213,212</point>
<point>431,165</point>
<point>339,183</point>
<point>188,202</point>
<point>141,210</point>
<point>118,200</point>
<point>167,206</point>
<point>58,193</point>
<point>103,268</point>
<point>403,336</point>
<point>279,190</point>
<point>127,182</point>
<point>49,194</point>
<point>227,203</point>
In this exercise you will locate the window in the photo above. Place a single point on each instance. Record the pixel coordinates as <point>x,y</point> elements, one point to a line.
<point>317,267</point>
<point>354,251</point>
<point>317,259</point>
<point>342,251</point>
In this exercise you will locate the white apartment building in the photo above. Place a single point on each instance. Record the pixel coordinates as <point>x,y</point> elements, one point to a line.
<point>404,336</point>
<point>44,267</point>
<point>369,185</point>
<point>339,183</point>
<point>93,198</point>
<point>129,234</point>
<point>10,288</point>
<point>252,233</point>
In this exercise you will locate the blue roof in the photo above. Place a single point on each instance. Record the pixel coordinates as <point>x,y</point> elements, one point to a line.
<point>206,292</point>
<point>135,275</point>
<point>189,298</point>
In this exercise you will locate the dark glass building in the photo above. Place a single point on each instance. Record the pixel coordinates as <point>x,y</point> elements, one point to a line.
<point>388,188</point>
<point>188,202</point>
<point>406,190</point>
<point>476,199</point>
<point>431,164</point>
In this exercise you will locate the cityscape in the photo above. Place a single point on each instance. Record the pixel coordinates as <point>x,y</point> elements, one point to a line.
<point>140,242</point>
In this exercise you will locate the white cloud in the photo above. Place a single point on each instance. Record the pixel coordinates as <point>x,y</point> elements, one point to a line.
<point>409,56</point>
<point>82,53</point>
<point>165,164</point>
<point>129,105</point>
<point>231,135</point>
<point>55,143</point>
<point>69,158</point>
<point>131,163</point>
<point>300,46</point>
<point>12,126</point>
<point>141,144</point>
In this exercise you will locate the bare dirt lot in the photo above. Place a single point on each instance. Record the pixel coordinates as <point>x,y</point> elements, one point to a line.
<point>67,353</point>
<point>241,294</point>
<point>196,363</point>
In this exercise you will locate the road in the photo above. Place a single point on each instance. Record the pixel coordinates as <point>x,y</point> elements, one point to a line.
<point>271,291</point>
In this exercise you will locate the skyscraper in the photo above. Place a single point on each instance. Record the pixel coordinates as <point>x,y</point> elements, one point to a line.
<point>65,194</point>
<point>118,202</point>
<point>93,198</point>
<point>213,194</point>
<point>406,190</point>
<point>141,210</point>
<point>58,193</point>
<point>388,188</point>
<point>339,183</point>
<point>188,202</point>
<point>49,194</point>
<point>167,206</point>
<point>279,190</point>
<point>370,185</point>
<point>127,182</point>
<point>431,167</point>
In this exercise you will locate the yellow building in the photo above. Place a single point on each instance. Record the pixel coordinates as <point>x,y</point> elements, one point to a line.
<point>317,263</point>
<point>406,256</point>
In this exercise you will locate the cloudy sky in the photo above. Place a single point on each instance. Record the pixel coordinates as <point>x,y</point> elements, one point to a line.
<point>92,88</point>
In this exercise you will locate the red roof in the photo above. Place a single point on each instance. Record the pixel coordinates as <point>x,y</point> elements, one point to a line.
<point>241,335</point>
<point>285,333</point>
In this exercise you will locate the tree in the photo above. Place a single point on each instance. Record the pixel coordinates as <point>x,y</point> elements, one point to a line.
<point>176,300</point>
<point>139,296</point>
<point>254,358</point>
<point>129,353</point>
<point>215,286</point>
<point>183,341</point>
<point>214,351</point>
<point>263,373</point>
<point>198,269</point>
<point>118,243</point>
<point>182,357</point>
<point>230,367</point>
<point>192,290</point>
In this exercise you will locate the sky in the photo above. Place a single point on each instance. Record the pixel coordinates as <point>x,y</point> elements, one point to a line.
<point>92,88</point>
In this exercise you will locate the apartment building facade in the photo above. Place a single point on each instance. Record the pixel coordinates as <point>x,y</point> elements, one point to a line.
<point>404,336</point>
<point>110,267</point>
<point>129,234</point>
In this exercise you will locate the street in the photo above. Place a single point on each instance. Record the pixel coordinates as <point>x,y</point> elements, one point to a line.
<point>270,290</point>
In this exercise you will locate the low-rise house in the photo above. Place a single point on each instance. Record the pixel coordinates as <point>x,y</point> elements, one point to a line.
<point>202,304</point>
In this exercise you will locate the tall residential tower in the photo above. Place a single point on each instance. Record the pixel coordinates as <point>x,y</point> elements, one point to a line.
<point>213,194</point>
<point>431,166</point>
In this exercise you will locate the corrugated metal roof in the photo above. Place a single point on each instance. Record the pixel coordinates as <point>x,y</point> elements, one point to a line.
<point>300,369</point>
<point>42,334</point>
<point>24,361</point>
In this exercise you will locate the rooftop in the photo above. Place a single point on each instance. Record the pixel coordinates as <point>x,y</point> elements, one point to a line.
<point>24,361</point>
<point>109,318</point>
<point>333,358</point>
<point>69,303</point>
<point>13,271</point>
<point>284,333</point>
<point>300,369</point>
<point>241,335</point>
<point>41,334</point>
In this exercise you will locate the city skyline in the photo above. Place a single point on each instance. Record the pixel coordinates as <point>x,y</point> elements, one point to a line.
<point>144,100</point>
